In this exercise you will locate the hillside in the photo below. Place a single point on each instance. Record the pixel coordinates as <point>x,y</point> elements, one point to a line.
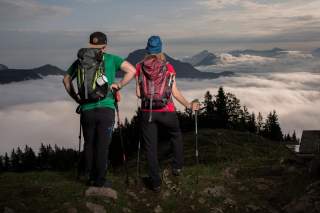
<point>239,172</point>
<point>183,70</point>
<point>15,75</point>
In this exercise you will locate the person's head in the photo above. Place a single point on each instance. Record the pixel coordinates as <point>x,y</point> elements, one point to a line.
<point>154,48</point>
<point>98,40</point>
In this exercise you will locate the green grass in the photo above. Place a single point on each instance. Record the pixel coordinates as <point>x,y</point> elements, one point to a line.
<point>237,161</point>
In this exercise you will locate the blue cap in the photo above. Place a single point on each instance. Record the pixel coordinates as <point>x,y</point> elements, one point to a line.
<point>154,45</point>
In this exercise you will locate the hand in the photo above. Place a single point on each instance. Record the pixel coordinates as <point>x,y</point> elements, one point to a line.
<point>195,105</point>
<point>115,86</point>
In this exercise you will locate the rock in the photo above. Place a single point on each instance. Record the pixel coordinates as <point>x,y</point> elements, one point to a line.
<point>102,191</point>
<point>230,172</point>
<point>262,187</point>
<point>201,200</point>
<point>72,210</point>
<point>217,191</point>
<point>158,209</point>
<point>133,195</point>
<point>243,189</point>
<point>8,210</point>
<point>216,210</point>
<point>192,207</point>
<point>95,208</point>
<point>126,210</point>
<point>252,208</point>
<point>229,202</point>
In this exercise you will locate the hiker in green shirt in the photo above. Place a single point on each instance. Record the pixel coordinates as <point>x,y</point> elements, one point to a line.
<point>98,106</point>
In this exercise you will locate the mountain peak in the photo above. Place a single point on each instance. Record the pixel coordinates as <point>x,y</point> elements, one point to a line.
<point>202,58</point>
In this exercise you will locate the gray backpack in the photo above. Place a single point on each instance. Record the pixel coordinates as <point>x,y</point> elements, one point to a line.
<point>91,79</point>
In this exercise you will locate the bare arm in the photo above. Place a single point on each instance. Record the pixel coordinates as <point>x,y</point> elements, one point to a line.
<point>181,99</point>
<point>130,72</point>
<point>178,96</point>
<point>67,82</point>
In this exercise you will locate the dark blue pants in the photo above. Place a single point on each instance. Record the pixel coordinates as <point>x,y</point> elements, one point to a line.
<point>97,127</point>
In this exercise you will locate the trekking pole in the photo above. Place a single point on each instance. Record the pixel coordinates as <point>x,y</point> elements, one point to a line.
<point>124,157</point>
<point>139,148</point>
<point>78,111</point>
<point>196,138</point>
<point>138,161</point>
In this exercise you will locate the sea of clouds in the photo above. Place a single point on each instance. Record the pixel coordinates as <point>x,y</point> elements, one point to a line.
<point>36,111</point>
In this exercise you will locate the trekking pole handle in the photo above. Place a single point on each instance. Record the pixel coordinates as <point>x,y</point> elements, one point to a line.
<point>195,101</point>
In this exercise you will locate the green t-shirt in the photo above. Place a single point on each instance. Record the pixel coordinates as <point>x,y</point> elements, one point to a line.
<point>112,64</point>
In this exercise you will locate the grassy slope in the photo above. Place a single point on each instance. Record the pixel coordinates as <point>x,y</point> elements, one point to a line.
<point>250,170</point>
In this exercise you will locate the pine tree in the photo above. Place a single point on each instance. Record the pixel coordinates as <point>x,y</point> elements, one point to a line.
<point>1,164</point>
<point>294,138</point>
<point>252,125</point>
<point>233,111</point>
<point>43,157</point>
<point>272,128</point>
<point>6,162</point>
<point>208,104</point>
<point>29,159</point>
<point>14,161</point>
<point>221,108</point>
<point>244,119</point>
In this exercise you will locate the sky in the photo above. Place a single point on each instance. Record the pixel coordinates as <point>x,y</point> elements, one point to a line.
<point>37,32</point>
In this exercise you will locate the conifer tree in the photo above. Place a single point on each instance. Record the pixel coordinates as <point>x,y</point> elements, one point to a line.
<point>6,162</point>
<point>1,164</point>
<point>272,128</point>
<point>29,159</point>
<point>221,108</point>
<point>252,124</point>
<point>233,111</point>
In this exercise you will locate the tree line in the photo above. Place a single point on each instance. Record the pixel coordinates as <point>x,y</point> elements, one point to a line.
<point>222,110</point>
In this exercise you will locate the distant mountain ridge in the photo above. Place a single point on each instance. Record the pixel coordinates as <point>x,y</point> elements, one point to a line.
<point>3,67</point>
<point>183,70</point>
<point>263,53</point>
<point>203,58</point>
<point>16,75</point>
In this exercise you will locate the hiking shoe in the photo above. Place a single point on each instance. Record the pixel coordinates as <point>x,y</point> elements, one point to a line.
<point>176,172</point>
<point>106,184</point>
<point>89,183</point>
<point>156,189</point>
<point>147,181</point>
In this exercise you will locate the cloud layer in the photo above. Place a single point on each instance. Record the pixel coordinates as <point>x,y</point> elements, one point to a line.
<point>38,111</point>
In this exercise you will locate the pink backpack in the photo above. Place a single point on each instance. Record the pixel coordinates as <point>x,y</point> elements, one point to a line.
<point>155,83</point>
